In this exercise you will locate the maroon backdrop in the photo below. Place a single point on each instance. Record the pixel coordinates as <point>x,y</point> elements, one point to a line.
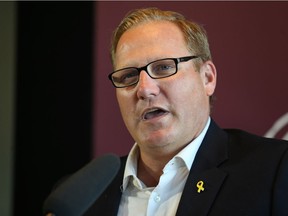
<point>249,43</point>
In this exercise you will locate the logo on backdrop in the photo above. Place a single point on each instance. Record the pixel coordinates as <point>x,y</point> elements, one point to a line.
<point>279,129</point>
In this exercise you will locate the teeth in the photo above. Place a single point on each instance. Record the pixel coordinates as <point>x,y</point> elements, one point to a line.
<point>152,110</point>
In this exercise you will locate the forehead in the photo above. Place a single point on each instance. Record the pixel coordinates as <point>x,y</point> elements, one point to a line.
<point>150,41</point>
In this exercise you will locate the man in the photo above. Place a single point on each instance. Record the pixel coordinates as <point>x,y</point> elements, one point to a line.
<point>182,163</point>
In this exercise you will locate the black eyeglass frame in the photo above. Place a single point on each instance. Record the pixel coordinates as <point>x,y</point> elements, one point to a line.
<point>145,68</point>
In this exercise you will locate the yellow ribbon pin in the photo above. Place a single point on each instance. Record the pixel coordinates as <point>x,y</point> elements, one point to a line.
<point>200,186</point>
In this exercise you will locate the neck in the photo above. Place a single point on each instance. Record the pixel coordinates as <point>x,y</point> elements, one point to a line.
<point>150,168</point>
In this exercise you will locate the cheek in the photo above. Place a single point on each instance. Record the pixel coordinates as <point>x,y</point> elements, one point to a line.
<point>189,92</point>
<point>125,104</point>
<point>187,86</point>
<point>121,102</point>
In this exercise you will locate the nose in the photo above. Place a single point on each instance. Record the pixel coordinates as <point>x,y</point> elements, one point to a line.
<point>147,87</point>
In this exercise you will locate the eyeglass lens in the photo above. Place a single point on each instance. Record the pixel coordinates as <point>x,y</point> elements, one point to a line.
<point>156,70</point>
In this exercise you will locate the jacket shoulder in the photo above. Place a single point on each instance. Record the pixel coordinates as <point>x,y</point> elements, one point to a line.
<point>244,137</point>
<point>244,145</point>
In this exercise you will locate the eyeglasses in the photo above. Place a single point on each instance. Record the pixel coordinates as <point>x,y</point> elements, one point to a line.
<point>157,70</point>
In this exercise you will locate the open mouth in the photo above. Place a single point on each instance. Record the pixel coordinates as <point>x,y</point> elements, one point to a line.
<point>153,113</point>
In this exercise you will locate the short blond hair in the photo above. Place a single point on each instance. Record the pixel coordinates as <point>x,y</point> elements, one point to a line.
<point>194,34</point>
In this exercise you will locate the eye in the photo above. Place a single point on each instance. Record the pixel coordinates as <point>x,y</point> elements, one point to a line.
<point>163,68</point>
<point>127,76</point>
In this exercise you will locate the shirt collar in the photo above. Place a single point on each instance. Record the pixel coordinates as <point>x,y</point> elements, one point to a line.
<point>131,166</point>
<point>186,155</point>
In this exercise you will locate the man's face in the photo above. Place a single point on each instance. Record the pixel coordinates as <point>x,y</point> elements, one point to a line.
<point>163,114</point>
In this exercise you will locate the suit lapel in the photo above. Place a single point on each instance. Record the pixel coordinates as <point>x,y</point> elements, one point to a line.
<point>204,172</point>
<point>194,201</point>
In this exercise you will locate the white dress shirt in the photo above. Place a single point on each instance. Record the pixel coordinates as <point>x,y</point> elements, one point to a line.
<point>162,200</point>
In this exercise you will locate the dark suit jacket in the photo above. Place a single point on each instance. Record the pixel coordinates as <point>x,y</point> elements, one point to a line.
<point>243,174</point>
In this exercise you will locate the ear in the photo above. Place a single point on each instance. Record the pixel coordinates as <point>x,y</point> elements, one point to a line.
<point>208,75</point>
